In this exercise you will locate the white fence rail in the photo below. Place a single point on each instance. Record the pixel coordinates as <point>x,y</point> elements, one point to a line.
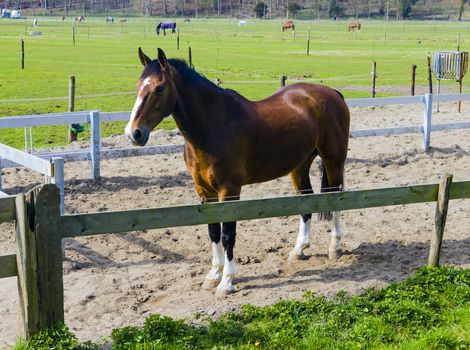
<point>95,153</point>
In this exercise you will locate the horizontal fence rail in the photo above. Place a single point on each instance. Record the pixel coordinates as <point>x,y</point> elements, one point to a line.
<point>141,219</point>
<point>8,266</point>
<point>7,209</point>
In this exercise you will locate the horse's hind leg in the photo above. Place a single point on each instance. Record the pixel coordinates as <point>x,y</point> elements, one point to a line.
<point>301,180</point>
<point>333,181</point>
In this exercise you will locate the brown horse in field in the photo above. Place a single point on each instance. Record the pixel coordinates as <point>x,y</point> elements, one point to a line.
<point>288,25</point>
<point>231,142</point>
<point>354,25</point>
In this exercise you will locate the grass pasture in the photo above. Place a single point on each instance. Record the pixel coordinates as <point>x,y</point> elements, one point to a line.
<point>249,59</point>
<point>429,311</point>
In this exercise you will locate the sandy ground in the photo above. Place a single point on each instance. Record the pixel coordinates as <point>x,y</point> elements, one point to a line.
<point>119,279</point>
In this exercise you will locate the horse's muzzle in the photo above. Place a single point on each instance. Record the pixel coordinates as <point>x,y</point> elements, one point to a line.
<point>138,137</point>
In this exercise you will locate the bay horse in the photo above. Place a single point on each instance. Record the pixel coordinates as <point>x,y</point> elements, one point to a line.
<point>166,25</point>
<point>288,25</point>
<point>231,142</point>
<point>354,25</point>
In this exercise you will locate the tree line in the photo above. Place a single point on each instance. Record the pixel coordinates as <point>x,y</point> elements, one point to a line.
<point>302,9</point>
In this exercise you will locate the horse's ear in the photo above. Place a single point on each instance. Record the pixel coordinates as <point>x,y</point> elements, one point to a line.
<point>144,59</point>
<point>161,58</point>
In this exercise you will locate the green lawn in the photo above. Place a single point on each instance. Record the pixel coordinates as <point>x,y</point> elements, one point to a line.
<point>249,59</point>
<point>429,311</point>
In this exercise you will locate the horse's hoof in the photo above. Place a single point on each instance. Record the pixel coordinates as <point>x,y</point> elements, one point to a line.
<point>210,284</point>
<point>334,254</point>
<point>295,256</point>
<point>222,292</point>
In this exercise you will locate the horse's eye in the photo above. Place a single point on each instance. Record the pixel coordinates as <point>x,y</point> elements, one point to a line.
<point>159,90</point>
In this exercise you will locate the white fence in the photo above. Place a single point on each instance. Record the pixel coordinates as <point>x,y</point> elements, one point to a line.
<point>51,164</point>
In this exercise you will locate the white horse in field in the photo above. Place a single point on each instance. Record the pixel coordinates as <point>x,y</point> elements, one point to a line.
<point>242,23</point>
<point>35,23</point>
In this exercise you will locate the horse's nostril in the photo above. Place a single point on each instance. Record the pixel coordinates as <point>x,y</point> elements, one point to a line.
<point>136,134</point>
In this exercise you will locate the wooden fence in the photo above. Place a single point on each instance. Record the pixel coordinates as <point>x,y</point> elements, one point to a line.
<point>40,229</point>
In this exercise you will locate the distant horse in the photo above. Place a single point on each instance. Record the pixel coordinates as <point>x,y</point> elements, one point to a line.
<point>166,25</point>
<point>110,19</point>
<point>231,142</point>
<point>35,22</point>
<point>353,25</point>
<point>288,25</point>
<point>80,19</point>
<point>63,18</point>
<point>123,20</point>
<point>187,20</point>
<point>242,23</point>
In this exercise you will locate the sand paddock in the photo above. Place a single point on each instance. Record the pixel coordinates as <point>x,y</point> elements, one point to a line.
<point>119,279</point>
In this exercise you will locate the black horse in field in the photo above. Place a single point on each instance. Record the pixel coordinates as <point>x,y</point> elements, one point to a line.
<point>166,25</point>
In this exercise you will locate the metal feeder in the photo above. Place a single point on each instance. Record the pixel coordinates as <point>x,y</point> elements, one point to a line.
<point>450,65</point>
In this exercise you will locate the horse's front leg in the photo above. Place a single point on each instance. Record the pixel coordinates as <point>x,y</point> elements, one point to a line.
<point>215,274</point>
<point>228,241</point>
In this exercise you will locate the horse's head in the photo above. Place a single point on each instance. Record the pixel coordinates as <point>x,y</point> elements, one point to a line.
<point>156,98</point>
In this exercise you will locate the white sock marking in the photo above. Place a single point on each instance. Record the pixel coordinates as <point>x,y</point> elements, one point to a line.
<point>303,238</point>
<point>230,270</point>
<point>217,262</point>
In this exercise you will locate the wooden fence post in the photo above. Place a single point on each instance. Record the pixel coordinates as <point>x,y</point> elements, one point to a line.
<point>190,57</point>
<point>374,76</point>
<point>440,220</point>
<point>39,259</point>
<point>73,34</point>
<point>22,53</point>
<point>283,80</point>
<point>427,117</point>
<point>308,43</point>
<point>413,79</point>
<point>178,39</point>
<point>72,135</point>
<point>429,74</point>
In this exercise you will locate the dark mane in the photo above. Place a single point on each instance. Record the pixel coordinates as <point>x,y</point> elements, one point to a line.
<point>186,73</point>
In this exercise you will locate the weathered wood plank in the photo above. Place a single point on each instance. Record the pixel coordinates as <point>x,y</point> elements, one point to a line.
<point>460,190</point>
<point>8,266</point>
<point>7,209</point>
<point>130,220</point>
<point>440,220</point>
<point>49,255</point>
<point>39,259</point>
<point>27,275</point>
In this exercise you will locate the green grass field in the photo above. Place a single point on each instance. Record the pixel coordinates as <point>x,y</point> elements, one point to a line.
<point>249,59</point>
<point>429,311</point>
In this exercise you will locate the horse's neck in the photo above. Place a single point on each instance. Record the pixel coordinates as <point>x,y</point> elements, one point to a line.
<point>198,109</point>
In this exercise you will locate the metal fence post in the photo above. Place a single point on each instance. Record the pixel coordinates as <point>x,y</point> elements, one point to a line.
<point>95,143</point>
<point>58,179</point>
<point>427,116</point>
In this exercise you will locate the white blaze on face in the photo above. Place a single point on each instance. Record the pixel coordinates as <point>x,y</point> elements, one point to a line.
<point>137,104</point>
